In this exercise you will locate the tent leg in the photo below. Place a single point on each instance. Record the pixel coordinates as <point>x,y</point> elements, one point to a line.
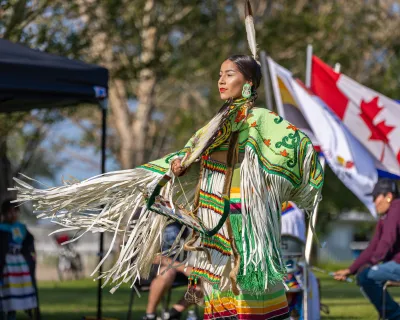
<point>103,106</point>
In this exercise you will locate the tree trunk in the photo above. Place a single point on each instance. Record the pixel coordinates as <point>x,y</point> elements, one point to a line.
<point>122,123</point>
<point>140,127</point>
<point>146,87</point>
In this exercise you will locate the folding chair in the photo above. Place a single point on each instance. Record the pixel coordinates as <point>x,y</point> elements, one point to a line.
<point>387,285</point>
<point>292,249</point>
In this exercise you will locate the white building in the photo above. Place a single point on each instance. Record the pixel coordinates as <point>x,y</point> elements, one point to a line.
<point>341,243</point>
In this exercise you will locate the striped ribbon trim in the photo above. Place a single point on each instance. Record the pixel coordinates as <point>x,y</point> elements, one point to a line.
<point>17,285</point>
<point>214,166</point>
<point>211,201</point>
<point>16,264</point>
<point>16,274</point>
<point>207,275</point>
<point>23,296</point>
<point>217,242</point>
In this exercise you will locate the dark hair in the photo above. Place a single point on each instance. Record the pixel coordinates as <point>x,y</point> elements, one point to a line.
<point>249,68</point>
<point>396,193</point>
<point>6,206</point>
<point>384,186</point>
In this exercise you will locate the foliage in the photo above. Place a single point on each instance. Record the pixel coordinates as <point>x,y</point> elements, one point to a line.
<point>47,25</point>
<point>164,58</point>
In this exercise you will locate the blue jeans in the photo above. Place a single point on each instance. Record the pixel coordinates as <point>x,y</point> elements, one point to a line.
<point>170,234</point>
<point>371,281</point>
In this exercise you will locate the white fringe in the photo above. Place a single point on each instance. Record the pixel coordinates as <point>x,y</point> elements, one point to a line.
<point>115,202</point>
<point>112,202</point>
<point>262,197</point>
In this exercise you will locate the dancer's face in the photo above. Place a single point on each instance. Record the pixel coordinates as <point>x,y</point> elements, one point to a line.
<point>231,81</point>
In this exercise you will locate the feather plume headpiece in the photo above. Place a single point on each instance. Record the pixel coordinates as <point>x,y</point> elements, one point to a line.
<point>250,30</point>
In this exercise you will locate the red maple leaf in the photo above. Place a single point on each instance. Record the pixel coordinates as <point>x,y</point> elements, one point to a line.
<point>369,110</point>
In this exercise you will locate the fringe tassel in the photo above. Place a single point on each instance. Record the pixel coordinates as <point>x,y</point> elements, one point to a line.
<point>262,196</point>
<point>113,202</point>
<point>254,282</point>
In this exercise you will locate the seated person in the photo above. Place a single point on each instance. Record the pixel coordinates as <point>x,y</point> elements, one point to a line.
<point>380,261</point>
<point>163,282</point>
<point>293,223</point>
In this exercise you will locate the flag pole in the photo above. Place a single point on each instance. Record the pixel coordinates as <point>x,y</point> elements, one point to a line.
<point>309,65</point>
<point>267,84</point>
<point>337,67</point>
<point>314,215</point>
<point>275,87</point>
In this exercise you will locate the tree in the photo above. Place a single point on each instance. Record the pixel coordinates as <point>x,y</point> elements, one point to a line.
<point>164,57</point>
<point>357,34</point>
<point>42,24</point>
<point>149,47</point>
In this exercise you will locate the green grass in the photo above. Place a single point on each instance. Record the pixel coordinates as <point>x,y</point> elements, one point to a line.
<point>71,300</point>
<point>74,299</point>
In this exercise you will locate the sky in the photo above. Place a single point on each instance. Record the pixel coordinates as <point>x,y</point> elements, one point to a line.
<point>81,163</point>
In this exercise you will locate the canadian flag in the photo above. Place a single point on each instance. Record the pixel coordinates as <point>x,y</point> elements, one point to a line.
<point>371,117</point>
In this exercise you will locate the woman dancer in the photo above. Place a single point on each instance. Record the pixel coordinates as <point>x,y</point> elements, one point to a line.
<point>227,184</point>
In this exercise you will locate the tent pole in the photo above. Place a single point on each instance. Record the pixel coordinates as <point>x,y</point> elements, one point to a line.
<point>103,106</point>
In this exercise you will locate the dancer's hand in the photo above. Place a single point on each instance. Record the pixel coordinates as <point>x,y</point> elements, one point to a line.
<point>177,168</point>
<point>341,275</point>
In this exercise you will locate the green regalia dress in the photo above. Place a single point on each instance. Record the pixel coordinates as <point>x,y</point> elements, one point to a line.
<point>233,208</point>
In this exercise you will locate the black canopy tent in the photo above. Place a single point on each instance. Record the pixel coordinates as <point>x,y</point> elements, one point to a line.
<point>32,79</point>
